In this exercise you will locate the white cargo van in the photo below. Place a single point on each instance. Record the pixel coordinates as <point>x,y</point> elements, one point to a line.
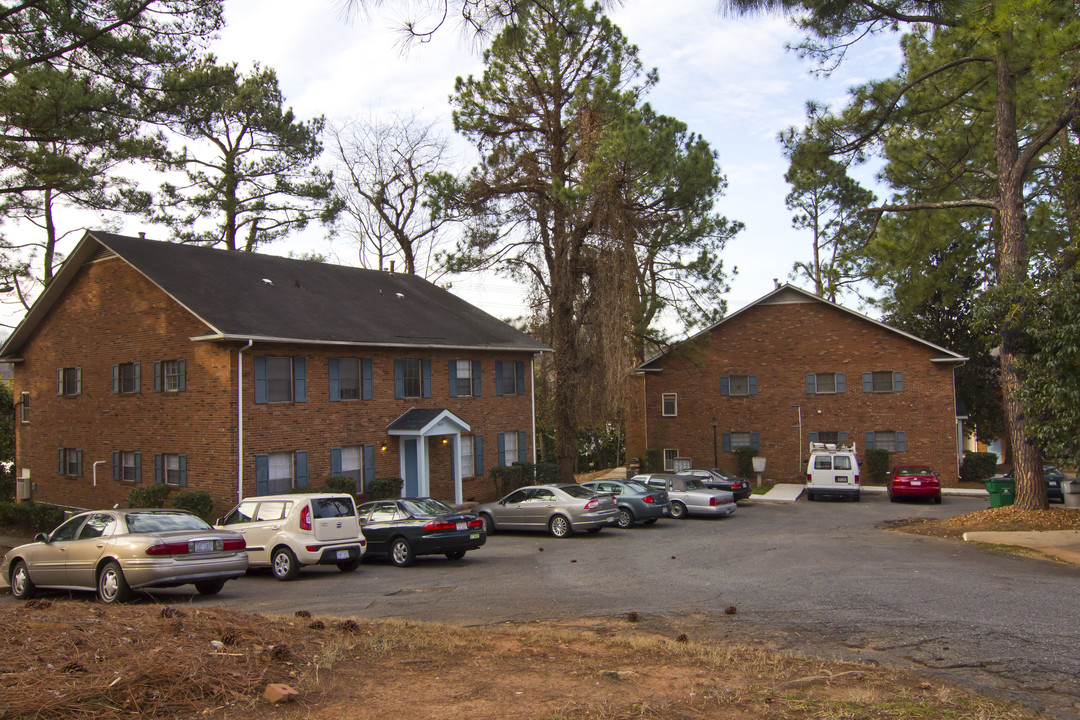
<point>832,470</point>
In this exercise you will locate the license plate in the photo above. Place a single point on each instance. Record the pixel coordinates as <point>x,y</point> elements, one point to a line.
<point>916,482</point>
<point>201,546</point>
<point>342,554</point>
<point>462,526</point>
<point>841,479</point>
<point>475,537</point>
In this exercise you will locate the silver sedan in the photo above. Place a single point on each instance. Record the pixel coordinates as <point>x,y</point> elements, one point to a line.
<point>689,496</point>
<point>559,509</point>
<point>116,551</point>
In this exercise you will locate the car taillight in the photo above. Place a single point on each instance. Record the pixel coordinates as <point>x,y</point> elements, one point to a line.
<point>592,504</point>
<point>856,479</point>
<point>161,548</point>
<point>809,478</point>
<point>436,525</point>
<point>648,499</point>
<point>305,518</point>
<point>477,523</point>
<point>234,545</point>
<point>712,500</point>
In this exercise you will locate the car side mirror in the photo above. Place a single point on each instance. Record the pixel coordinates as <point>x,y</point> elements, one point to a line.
<point>41,537</point>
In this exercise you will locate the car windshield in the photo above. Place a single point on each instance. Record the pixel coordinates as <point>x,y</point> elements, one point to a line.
<point>914,470</point>
<point>577,491</point>
<point>1052,472</point>
<point>694,484</point>
<point>638,486</point>
<point>154,522</point>
<point>426,507</point>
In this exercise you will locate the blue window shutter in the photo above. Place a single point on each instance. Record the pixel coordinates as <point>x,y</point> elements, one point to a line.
<point>868,382</point>
<point>183,470</point>
<point>78,381</point>
<point>498,377</point>
<point>725,440</point>
<point>753,384</point>
<point>901,441</point>
<point>158,474</point>
<point>869,441</point>
<point>502,450</point>
<point>425,372</point>
<point>399,379</point>
<point>476,379</point>
<point>813,437</point>
<point>78,463</point>
<point>262,474</point>
<point>335,462</point>
<point>365,379</point>
<point>299,379</point>
<point>260,380</point>
<point>520,367</point>
<point>369,464</point>
<point>478,454</point>
<point>811,383</point>
<point>841,382</point>
<point>138,467</point>
<point>898,382</point>
<point>725,385</point>
<point>333,370</point>
<point>181,375</point>
<point>755,441</point>
<point>452,372</point>
<point>115,465</point>
<point>301,468</point>
<point>115,379</point>
<point>60,462</point>
<point>138,377</point>
<point>523,441</point>
<point>157,376</point>
<point>842,437</point>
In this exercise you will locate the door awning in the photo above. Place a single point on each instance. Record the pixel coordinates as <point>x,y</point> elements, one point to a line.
<point>422,422</point>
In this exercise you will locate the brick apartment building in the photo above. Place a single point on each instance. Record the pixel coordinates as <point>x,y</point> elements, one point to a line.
<point>790,369</point>
<point>243,374</point>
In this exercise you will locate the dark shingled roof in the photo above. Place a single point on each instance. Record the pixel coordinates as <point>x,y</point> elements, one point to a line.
<point>242,295</point>
<point>415,419</point>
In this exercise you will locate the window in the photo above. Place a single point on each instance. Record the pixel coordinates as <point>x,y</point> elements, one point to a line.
<point>170,376</point>
<point>670,405</point>
<point>270,511</point>
<point>512,447</point>
<point>277,473</point>
<point>826,383</point>
<point>70,462</point>
<point>127,466</point>
<point>98,525</point>
<point>281,473</point>
<point>411,383</point>
<point>280,379</point>
<point>833,437</point>
<point>735,440</point>
<point>468,456</point>
<point>412,378</point>
<point>510,377</point>
<point>69,381</point>
<point>24,407</point>
<point>738,385</point>
<point>883,381</point>
<point>170,469</point>
<point>893,441</point>
<point>244,513</point>
<point>669,458</point>
<point>352,465</point>
<point>349,378</point>
<point>125,378</point>
<point>464,378</point>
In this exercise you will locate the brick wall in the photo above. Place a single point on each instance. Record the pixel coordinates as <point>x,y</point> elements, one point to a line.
<point>781,344</point>
<point>110,314</point>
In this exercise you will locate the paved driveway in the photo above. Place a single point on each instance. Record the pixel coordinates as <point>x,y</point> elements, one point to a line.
<point>816,577</point>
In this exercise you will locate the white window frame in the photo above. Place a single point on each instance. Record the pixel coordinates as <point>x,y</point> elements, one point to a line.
<point>128,466</point>
<point>736,436</point>
<point>348,365</point>
<point>170,469</point>
<point>464,378</point>
<point>71,462</point>
<point>510,447</point>
<point>125,375</point>
<point>888,374</point>
<point>890,442</point>
<point>24,407</point>
<point>75,375</point>
<point>275,383</point>
<point>670,455</point>
<point>674,397</point>
<point>744,380</point>
<point>280,466</point>
<point>170,375</point>
<point>407,364</point>
<point>817,384</point>
<point>468,455</point>
<point>352,464</point>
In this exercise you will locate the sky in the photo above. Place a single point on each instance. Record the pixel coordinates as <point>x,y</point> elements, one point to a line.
<point>732,80</point>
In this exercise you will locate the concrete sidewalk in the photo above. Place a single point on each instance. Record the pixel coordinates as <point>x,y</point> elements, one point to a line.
<point>1062,544</point>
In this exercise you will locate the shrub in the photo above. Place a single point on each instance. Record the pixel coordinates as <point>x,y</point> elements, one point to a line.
<point>744,457</point>
<point>150,496</point>
<point>30,516</point>
<point>339,484</point>
<point>384,488</point>
<point>547,473</point>
<point>978,466</point>
<point>509,478</point>
<point>198,502</point>
<point>877,464</point>
<point>653,461</point>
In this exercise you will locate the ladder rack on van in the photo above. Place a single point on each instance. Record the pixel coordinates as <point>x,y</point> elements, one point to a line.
<point>832,447</point>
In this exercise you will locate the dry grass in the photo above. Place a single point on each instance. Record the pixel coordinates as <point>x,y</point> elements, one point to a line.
<point>1008,518</point>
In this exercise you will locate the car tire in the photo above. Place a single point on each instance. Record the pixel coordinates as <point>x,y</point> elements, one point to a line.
<point>650,521</point>
<point>857,497</point>
<point>893,498</point>
<point>401,552</point>
<point>489,524</point>
<point>348,566</point>
<point>559,526</point>
<point>283,564</point>
<point>593,531</point>
<point>810,497</point>
<point>455,554</point>
<point>678,510</point>
<point>625,519</point>
<point>22,587</point>
<point>112,586</point>
<point>937,499</point>
<point>209,587</point>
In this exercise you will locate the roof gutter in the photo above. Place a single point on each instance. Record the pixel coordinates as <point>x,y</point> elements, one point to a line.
<point>224,337</point>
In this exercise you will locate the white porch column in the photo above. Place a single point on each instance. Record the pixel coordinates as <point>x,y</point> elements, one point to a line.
<point>423,472</point>
<point>457,468</point>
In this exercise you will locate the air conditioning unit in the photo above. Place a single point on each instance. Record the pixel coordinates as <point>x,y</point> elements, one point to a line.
<point>22,488</point>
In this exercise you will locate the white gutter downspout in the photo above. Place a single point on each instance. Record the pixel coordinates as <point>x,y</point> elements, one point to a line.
<point>532,391</point>
<point>240,421</point>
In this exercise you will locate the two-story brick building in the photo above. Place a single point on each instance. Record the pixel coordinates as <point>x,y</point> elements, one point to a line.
<point>245,374</point>
<point>790,369</point>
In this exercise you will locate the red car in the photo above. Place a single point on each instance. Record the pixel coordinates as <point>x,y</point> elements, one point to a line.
<point>914,481</point>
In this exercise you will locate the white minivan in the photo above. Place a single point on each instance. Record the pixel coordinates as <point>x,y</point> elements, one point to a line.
<point>832,470</point>
<point>285,532</point>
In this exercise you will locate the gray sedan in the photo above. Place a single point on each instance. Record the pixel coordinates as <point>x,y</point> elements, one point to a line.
<point>636,500</point>
<point>689,496</point>
<point>559,509</point>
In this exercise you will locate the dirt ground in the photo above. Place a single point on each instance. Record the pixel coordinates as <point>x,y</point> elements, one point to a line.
<point>74,659</point>
<point>1006,518</point>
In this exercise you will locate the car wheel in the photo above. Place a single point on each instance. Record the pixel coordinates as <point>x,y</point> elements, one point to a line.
<point>209,587</point>
<point>810,497</point>
<point>401,553</point>
<point>893,498</point>
<point>593,531</point>
<point>559,526</point>
<point>650,521</point>
<point>455,554</point>
<point>678,510</point>
<point>112,587</point>
<point>625,519</point>
<point>937,499</point>
<point>857,497</point>
<point>22,586</point>
<point>348,565</point>
<point>489,523</point>
<point>284,565</point>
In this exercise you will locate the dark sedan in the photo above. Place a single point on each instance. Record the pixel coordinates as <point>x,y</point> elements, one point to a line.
<point>1054,478</point>
<point>717,479</point>
<point>403,529</point>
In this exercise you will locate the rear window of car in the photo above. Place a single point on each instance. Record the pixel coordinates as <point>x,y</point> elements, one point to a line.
<point>823,462</point>
<point>577,491</point>
<point>140,522</point>
<point>333,507</point>
<point>639,487</point>
<point>914,470</point>
<point>842,462</point>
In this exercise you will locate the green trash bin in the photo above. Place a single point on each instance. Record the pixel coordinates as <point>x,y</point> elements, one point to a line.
<point>1002,491</point>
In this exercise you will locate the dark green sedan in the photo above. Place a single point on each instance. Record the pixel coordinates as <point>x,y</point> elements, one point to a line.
<point>402,529</point>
